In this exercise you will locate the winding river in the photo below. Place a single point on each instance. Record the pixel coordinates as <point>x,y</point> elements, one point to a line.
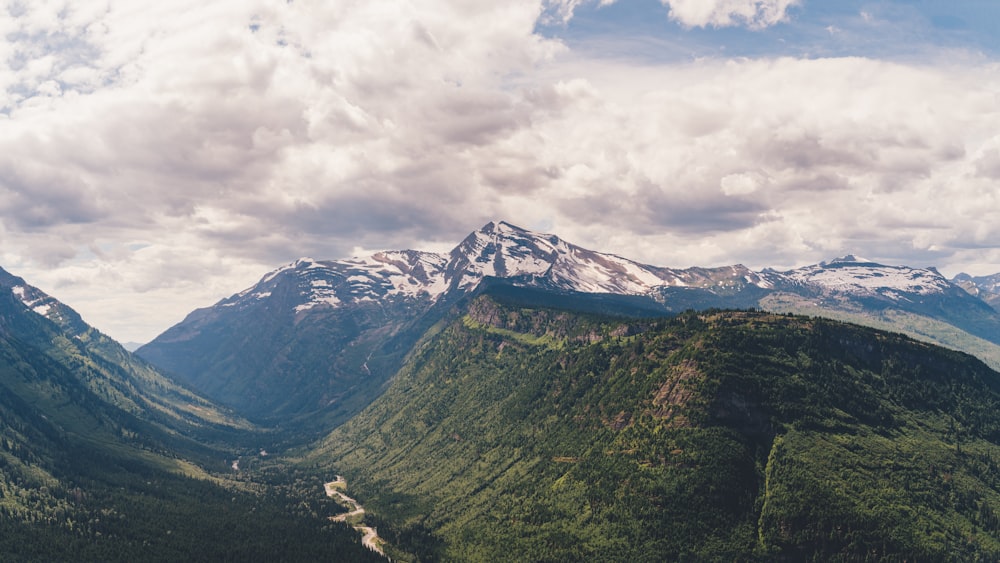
<point>370,537</point>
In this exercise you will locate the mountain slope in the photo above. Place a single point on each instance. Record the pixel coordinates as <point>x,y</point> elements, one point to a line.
<point>715,436</point>
<point>123,382</point>
<point>104,459</point>
<point>918,302</point>
<point>313,338</point>
<point>986,288</point>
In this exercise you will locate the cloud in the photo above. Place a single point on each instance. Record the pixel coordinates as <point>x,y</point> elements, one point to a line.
<point>178,152</point>
<point>792,160</point>
<point>987,165</point>
<point>560,12</point>
<point>741,183</point>
<point>755,14</point>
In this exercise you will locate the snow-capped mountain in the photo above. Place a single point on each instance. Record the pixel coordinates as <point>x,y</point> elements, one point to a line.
<point>505,251</point>
<point>528,258</point>
<point>498,250</point>
<point>329,283</point>
<point>918,301</point>
<point>861,277</point>
<point>324,335</point>
<point>312,335</point>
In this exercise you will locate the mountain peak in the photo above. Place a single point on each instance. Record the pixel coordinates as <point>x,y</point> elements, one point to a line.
<point>849,259</point>
<point>303,262</point>
<point>501,227</point>
<point>8,280</point>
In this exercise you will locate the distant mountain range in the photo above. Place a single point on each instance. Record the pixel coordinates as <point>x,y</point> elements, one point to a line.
<point>986,288</point>
<point>131,346</point>
<point>316,340</point>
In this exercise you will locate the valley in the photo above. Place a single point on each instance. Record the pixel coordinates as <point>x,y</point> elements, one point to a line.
<point>105,458</point>
<point>517,398</point>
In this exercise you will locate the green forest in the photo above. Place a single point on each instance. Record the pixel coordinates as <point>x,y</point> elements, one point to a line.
<point>520,433</point>
<point>120,510</point>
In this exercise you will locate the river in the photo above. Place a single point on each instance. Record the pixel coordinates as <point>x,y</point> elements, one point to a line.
<point>369,537</point>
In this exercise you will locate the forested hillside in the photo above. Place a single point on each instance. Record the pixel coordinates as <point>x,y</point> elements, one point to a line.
<point>57,362</point>
<point>102,458</point>
<point>544,435</point>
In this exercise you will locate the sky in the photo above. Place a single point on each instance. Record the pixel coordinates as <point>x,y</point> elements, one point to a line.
<point>156,157</point>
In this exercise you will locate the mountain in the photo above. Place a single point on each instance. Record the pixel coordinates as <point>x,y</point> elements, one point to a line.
<point>315,341</point>
<point>917,301</point>
<point>527,258</point>
<point>708,436</point>
<point>123,383</point>
<point>102,458</point>
<point>585,413</point>
<point>986,288</point>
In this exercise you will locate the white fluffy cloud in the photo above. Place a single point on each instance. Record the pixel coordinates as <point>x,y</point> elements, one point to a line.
<point>155,157</point>
<point>756,14</point>
<point>780,160</point>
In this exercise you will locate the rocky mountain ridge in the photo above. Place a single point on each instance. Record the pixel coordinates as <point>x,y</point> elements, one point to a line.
<point>325,335</point>
<point>533,259</point>
<point>986,288</point>
<point>497,250</point>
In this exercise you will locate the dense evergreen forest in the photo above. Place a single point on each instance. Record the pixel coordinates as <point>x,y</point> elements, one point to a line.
<point>65,498</point>
<point>532,434</point>
<point>108,509</point>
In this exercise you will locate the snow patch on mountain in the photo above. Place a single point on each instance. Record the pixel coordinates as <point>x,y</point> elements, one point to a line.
<point>331,301</point>
<point>34,299</point>
<point>864,277</point>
